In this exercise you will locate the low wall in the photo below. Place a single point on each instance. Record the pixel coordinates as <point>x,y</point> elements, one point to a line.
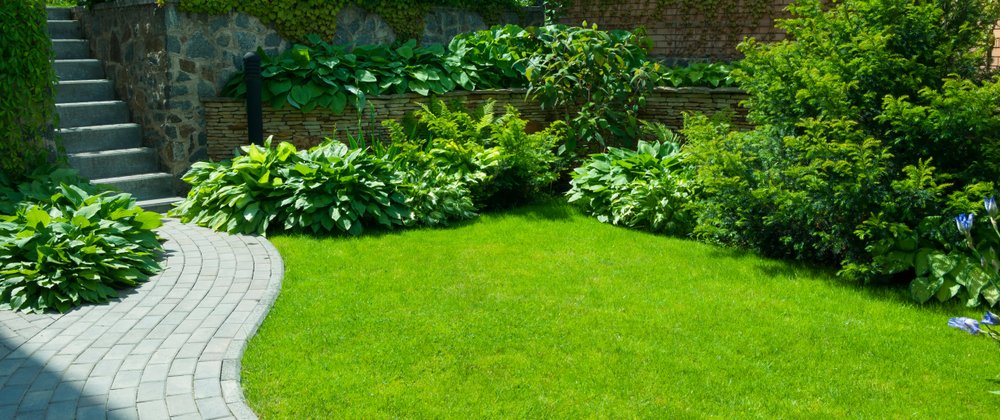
<point>165,62</point>
<point>680,32</point>
<point>225,118</point>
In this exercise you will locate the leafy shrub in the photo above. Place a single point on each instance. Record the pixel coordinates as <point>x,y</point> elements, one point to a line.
<point>324,189</point>
<point>328,76</point>
<point>333,187</point>
<point>597,79</point>
<point>861,142</point>
<point>238,196</point>
<point>698,75</point>
<point>498,54</point>
<point>440,167</point>
<point>646,188</point>
<point>27,99</point>
<point>503,163</point>
<point>63,244</point>
<point>868,61</point>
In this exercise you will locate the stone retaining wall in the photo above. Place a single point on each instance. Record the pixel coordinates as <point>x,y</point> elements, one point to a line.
<point>226,124</point>
<point>165,62</point>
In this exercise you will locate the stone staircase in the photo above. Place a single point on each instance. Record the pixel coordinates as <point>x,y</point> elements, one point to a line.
<point>95,128</point>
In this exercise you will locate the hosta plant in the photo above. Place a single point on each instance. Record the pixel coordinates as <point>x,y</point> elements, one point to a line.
<point>331,187</point>
<point>327,188</point>
<point>63,244</point>
<point>646,188</point>
<point>238,196</point>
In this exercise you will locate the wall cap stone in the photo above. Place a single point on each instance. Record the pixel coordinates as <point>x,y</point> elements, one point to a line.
<point>130,3</point>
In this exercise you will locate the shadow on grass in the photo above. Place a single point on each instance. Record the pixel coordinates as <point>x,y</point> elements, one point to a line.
<point>549,210</point>
<point>894,290</point>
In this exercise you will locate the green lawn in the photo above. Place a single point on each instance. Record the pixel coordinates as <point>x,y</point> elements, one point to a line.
<point>541,312</point>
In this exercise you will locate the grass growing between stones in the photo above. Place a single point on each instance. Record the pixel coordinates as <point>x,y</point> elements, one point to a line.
<point>541,312</point>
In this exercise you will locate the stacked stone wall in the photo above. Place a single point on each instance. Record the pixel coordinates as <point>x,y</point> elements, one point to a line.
<point>165,62</point>
<point>131,42</point>
<point>226,124</point>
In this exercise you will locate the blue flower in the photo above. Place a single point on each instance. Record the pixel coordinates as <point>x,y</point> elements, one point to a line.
<point>968,325</point>
<point>991,206</point>
<point>964,223</point>
<point>990,319</point>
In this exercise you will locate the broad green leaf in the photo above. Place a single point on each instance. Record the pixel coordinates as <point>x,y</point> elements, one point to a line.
<point>301,94</point>
<point>88,212</point>
<point>279,87</point>
<point>923,288</point>
<point>365,76</point>
<point>149,220</point>
<point>940,264</point>
<point>35,216</point>
<point>948,290</point>
<point>405,51</point>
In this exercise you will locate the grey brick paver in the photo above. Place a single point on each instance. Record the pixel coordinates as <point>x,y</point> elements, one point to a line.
<point>168,349</point>
<point>156,409</point>
<point>61,410</point>
<point>121,398</point>
<point>92,412</point>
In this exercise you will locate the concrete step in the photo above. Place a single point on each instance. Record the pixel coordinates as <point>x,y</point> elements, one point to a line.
<point>142,186</point>
<point>71,49</point>
<point>59,13</point>
<point>79,69</point>
<point>101,137</point>
<point>115,163</point>
<point>69,91</point>
<point>159,205</point>
<point>64,29</point>
<point>84,114</point>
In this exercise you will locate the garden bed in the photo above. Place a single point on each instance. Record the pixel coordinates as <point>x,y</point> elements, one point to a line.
<point>226,124</point>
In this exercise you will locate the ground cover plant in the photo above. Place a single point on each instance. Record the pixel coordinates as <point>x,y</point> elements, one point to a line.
<point>496,318</point>
<point>63,243</point>
<point>441,165</point>
<point>876,125</point>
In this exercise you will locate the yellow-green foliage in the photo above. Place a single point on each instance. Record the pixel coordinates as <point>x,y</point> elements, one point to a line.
<point>294,19</point>
<point>26,84</point>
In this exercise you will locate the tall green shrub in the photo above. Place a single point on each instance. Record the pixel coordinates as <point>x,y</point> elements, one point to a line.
<point>868,61</point>
<point>873,116</point>
<point>27,102</point>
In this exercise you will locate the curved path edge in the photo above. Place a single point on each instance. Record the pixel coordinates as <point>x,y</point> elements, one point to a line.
<point>232,365</point>
<point>169,348</point>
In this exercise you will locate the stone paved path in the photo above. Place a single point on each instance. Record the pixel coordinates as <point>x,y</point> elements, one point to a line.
<point>169,348</point>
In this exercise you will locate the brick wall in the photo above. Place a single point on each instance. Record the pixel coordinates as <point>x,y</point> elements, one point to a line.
<point>682,33</point>
<point>996,47</point>
<point>226,126</point>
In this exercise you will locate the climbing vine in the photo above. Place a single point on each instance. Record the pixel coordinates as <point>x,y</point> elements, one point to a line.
<point>294,19</point>
<point>27,104</point>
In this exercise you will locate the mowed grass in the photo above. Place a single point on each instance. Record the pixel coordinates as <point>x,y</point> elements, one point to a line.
<point>541,312</point>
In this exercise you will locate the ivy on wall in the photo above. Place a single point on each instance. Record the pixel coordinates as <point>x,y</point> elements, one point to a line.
<point>294,19</point>
<point>27,102</point>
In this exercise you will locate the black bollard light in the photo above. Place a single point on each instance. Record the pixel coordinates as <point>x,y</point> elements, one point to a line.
<point>255,114</point>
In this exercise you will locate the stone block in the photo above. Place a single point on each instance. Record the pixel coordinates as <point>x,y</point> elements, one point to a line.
<point>200,47</point>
